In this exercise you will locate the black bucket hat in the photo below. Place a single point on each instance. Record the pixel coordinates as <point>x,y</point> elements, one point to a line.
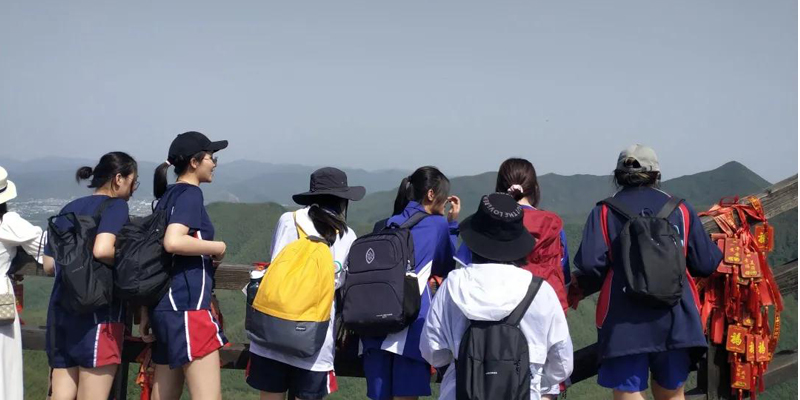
<point>496,231</point>
<point>332,182</point>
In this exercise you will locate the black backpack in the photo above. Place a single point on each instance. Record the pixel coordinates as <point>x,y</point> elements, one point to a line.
<point>141,271</point>
<point>381,292</point>
<point>493,360</point>
<point>650,255</point>
<point>87,283</point>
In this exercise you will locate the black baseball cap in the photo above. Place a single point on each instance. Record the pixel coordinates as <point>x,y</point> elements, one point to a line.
<point>190,143</point>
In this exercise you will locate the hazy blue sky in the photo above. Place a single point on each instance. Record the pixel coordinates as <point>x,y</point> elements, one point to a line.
<point>378,84</point>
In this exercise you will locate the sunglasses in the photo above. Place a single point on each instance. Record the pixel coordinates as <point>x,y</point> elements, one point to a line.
<point>212,159</point>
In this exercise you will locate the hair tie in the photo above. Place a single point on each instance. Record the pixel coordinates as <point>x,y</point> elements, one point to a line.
<point>515,187</point>
<point>168,163</point>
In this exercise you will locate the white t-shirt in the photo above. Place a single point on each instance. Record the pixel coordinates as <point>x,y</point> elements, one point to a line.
<point>285,233</point>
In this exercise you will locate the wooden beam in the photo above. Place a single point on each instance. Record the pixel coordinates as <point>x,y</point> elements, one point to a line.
<point>786,277</point>
<point>776,200</point>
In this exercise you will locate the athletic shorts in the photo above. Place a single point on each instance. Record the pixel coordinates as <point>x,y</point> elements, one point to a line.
<point>182,336</point>
<point>83,343</point>
<point>268,375</point>
<point>630,373</point>
<point>389,375</point>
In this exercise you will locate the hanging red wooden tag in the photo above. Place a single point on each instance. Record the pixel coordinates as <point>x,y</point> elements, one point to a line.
<point>740,376</point>
<point>733,251</point>
<point>736,339</point>
<point>765,237</point>
<point>751,266</point>
<point>762,349</point>
<point>751,348</point>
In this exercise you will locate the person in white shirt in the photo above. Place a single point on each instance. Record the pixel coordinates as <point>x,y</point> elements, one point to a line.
<point>15,232</point>
<point>273,372</point>
<point>489,289</point>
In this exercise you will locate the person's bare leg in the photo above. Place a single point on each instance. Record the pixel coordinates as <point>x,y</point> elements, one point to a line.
<point>167,383</point>
<point>203,377</point>
<point>95,383</point>
<point>406,398</point>
<point>665,394</point>
<point>64,383</point>
<point>273,396</point>
<point>620,395</point>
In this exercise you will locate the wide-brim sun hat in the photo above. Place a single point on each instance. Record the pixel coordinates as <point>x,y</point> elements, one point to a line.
<point>8,190</point>
<point>332,182</point>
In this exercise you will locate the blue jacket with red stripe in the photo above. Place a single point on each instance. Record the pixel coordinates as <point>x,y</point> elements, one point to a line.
<point>625,327</point>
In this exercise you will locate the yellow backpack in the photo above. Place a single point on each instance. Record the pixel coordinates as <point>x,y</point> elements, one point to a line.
<point>293,303</point>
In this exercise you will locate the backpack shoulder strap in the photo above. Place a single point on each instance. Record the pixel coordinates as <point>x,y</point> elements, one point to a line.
<point>414,220</point>
<point>672,204</point>
<point>102,207</point>
<point>516,316</point>
<point>300,232</point>
<point>619,207</point>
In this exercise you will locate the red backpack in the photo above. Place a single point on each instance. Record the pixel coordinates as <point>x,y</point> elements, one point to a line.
<point>545,259</point>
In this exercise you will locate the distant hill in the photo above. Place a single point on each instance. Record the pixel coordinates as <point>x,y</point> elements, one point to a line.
<point>573,197</point>
<point>242,181</point>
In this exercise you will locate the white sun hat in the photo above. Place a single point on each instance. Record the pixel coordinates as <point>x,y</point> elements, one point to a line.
<point>8,190</point>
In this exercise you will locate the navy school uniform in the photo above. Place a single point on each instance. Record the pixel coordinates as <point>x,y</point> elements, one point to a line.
<point>393,365</point>
<point>633,336</point>
<point>181,321</point>
<point>93,339</point>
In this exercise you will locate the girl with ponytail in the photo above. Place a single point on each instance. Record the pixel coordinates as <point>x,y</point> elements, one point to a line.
<point>86,348</point>
<point>393,364</point>
<point>186,332</point>
<point>324,215</point>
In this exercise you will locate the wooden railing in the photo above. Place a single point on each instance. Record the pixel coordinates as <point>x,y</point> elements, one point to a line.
<point>712,382</point>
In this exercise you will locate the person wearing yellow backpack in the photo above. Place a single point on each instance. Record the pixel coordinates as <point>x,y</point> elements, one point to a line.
<point>292,327</point>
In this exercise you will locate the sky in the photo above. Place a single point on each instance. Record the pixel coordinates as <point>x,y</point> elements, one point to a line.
<point>376,84</point>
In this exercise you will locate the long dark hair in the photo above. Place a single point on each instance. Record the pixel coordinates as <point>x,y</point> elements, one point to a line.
<point>3,210</point>
<point>519,171</point>
<point>328,213</point>
<point>415,187</point>
<point>181,164</point>
<point>107,168</point>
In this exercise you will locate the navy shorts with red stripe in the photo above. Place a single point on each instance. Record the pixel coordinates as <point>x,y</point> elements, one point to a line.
<point>268,375</point>
<point>82,343</point>
<point>183,336</point>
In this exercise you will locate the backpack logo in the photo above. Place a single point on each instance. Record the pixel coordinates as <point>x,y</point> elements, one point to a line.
<point>370,255</point>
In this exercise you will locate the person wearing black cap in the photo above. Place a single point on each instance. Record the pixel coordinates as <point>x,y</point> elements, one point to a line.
<point>489,289</point>
<point>185,331</point>
<point>324,215</point>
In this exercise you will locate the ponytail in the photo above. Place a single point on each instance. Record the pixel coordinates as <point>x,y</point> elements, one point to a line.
<point>181,164</point>
<point>111,164</point>
<point>404,194</point>
<point>517,177</point>
<point>83,174</point>
<point>160,180</point>
<point>416,186</point>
